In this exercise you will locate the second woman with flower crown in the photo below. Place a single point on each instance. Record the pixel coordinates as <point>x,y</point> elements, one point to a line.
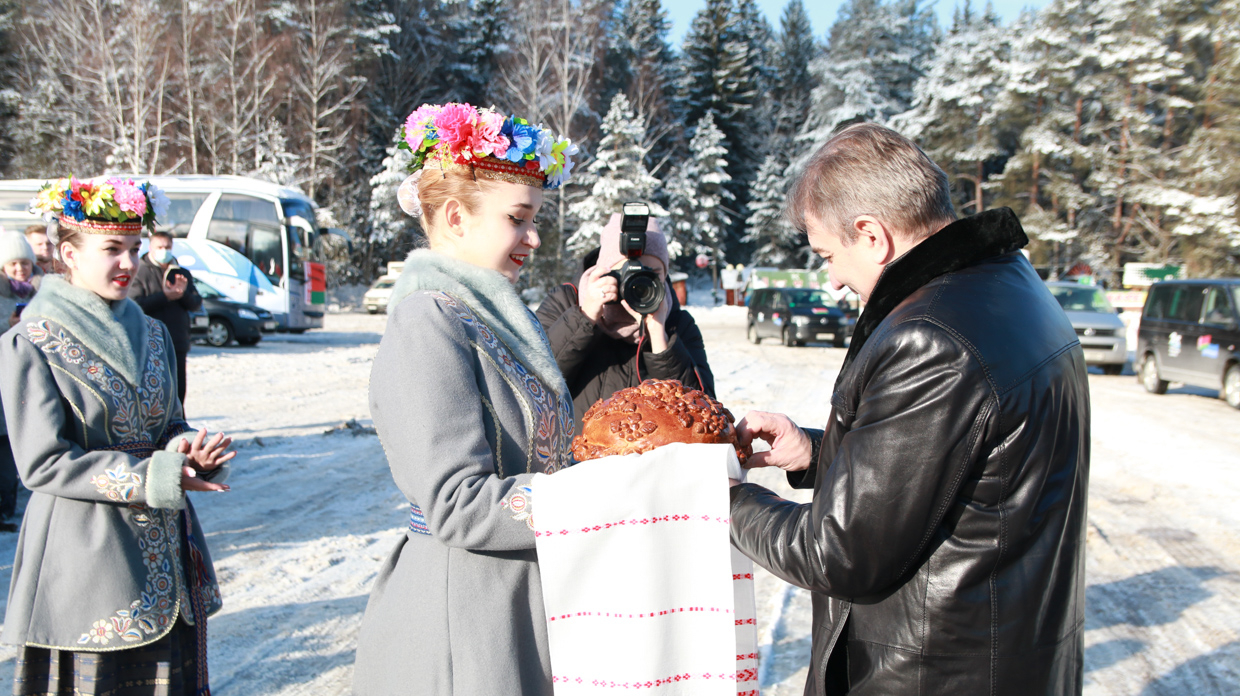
<point>469,405</point>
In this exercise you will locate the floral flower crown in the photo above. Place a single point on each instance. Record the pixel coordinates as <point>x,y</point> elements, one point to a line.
<point>459,137</point>
<point>102,206</point>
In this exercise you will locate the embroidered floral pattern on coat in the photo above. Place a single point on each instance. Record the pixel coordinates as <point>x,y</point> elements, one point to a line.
<point>551,433</point>
<point>520,502</point>
<point>138,419</point>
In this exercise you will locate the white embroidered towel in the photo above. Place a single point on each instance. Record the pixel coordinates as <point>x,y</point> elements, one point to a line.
<point>638,576</point>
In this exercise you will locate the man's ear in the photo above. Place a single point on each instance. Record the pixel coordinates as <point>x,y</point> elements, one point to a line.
<point>876,238</point>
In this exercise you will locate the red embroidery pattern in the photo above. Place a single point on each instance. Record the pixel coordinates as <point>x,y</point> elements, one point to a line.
<point>630,615</point>
<point>633,523</point>
<point>743,622</point>
<point>747,674</point>
<point>648,684</point>
<point>750,656</point>
<point>746,576</point>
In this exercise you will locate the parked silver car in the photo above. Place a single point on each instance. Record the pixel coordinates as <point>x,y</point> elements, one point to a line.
<point>1097,323</point>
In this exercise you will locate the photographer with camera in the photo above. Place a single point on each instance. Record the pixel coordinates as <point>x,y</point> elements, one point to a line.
<point>623,324</point>
<point>166,292</point>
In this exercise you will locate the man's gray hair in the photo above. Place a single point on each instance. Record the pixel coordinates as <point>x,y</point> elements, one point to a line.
<point>867,169</point>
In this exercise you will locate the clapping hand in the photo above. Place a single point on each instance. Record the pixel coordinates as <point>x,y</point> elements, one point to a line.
<point>791,448</point>
<point>202,457</point>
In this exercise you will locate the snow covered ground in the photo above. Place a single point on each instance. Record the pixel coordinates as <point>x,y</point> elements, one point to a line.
<point>313,511</point>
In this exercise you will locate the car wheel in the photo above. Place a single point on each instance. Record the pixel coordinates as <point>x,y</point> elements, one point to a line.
<point>752,334</point>
<point>372,310</point>
<point>249,341</point>
<point>1112,369</point>
<point>789,340</point>
<point>219,332</point>
<point>1231,386</point>
<point>837,339</point>
<point>1149,376</point>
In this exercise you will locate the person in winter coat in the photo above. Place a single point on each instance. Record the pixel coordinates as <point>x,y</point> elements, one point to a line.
<point>166,292</point>
<point>17,287</point>
<point>18,283</point>
<point>945,544</point>
<point>112,580</point>
<point>598,345</point>
<point>44,255</point>
<point>469,405</point>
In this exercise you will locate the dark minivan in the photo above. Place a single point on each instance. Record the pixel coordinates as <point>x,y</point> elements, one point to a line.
<point>797,316</point>
<point>1190,333</point>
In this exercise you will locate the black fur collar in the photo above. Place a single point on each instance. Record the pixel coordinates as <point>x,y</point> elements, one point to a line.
<point>959,245</point>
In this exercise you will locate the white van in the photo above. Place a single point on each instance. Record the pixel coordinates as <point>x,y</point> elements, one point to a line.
<point>254,241</point>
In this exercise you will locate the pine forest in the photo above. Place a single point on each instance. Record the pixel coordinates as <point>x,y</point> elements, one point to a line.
<point>1112,127</point>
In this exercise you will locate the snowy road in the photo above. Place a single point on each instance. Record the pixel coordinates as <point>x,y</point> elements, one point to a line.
<point>299,539</point>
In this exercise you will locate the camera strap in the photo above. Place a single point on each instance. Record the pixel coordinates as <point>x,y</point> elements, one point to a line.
<point>641,337</point>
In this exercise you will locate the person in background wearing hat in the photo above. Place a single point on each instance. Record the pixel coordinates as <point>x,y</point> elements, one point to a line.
<point>18,284</point>
<point>599,347</point>
<point>166,292</point>
<point>44,256</point>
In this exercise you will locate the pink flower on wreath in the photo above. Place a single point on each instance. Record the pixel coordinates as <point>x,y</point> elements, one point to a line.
<point>128,196</point>
<point>487,138</point>
<point>418,123</point>
<point>456,123</point>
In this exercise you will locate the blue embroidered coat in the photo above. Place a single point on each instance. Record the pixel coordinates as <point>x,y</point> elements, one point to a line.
<point>91,404</point>
<point>465,422</point>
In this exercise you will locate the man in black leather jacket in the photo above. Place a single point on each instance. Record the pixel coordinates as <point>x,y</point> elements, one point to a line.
<point>945,543</point>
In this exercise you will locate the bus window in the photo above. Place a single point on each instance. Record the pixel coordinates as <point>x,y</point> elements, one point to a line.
<point>181,211</point>
<point>251,226</point>
<point>230,233</point>
<point>15,201</point>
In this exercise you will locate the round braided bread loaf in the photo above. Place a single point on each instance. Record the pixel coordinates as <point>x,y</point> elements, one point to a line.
<point>650,415</point>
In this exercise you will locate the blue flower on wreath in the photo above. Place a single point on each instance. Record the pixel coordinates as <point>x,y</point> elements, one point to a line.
<point>523,138</point>
<point>73,208</point>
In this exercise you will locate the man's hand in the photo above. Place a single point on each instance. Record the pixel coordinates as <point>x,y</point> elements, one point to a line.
<point>174,289</point>
<point>791,448</point>
<point>201,457</point>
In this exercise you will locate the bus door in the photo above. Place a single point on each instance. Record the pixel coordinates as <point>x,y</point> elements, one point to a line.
<point>251,227</point>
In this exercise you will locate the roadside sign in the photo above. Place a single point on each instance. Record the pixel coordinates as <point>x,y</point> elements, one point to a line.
<point>1143,275</point>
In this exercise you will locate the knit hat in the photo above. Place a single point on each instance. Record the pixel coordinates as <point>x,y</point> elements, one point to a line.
<point>609,242</point>
<point>14,246</point>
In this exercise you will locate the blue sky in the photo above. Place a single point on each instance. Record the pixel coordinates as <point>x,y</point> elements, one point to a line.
<point>822,12</point>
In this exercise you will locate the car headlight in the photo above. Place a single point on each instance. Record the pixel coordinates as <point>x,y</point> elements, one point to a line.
<point>800,320</point>
<point>247,314</point>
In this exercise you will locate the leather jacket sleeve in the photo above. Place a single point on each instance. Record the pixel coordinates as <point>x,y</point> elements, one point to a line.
<point>894,470</point>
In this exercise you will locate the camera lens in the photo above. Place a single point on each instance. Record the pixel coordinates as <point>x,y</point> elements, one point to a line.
<point>643,291</point>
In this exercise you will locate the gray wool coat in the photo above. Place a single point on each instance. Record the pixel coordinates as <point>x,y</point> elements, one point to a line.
<point>90,398</point>
<point>469,405</point>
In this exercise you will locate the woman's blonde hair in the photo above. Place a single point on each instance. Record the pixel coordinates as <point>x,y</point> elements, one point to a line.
<point>437,186</point>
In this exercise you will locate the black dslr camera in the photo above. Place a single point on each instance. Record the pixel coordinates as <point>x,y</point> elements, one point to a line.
<point>640,285</point>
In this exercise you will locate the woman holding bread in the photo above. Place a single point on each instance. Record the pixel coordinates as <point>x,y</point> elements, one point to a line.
<point>112,581</point>
<point>469,405</point>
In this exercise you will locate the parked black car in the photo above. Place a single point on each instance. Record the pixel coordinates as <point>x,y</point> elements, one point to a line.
<point>1190,333</point>
<point>228,319</point>
<point>797,316</point>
